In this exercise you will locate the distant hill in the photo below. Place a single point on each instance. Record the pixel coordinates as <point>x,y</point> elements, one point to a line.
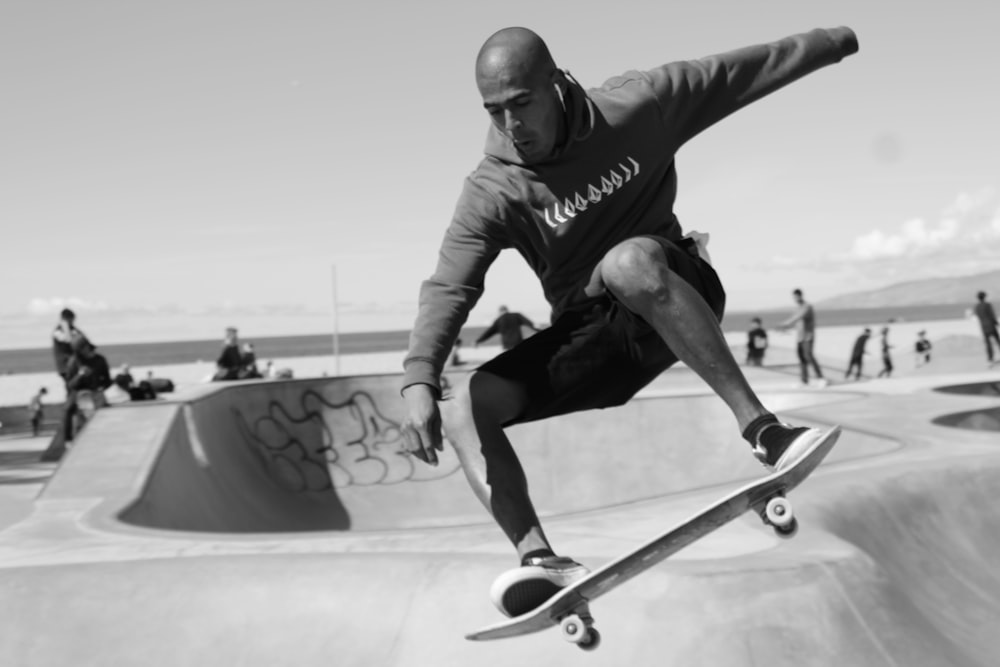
<point>930,291</point>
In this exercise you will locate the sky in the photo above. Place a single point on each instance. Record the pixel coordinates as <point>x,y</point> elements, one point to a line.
<point>291,166</point>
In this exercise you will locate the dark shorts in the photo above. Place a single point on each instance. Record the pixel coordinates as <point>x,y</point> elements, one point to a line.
<point>598,355</point>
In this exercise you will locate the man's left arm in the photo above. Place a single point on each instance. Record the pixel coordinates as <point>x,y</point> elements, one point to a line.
<point>696,94</point>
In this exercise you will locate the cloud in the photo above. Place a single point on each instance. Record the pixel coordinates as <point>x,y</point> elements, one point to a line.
<point>53,305</point>
<point>964,239</point>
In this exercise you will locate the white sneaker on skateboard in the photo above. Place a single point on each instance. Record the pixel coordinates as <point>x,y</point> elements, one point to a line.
<point>524,588</point>
<point>780,445</point>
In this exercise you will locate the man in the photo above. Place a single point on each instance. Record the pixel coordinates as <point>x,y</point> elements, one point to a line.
<point>582,184</point>
<point>756,343</point>
<point>923,349</point>
<point>62,340</point>
<point>857,355</point>
<point>509,326</point>
<point>988,324</point>
<point>230,361</point>
<point>87,376</point>
<point>886,355</point>
<point>36,408</point>
<point>804,321</point>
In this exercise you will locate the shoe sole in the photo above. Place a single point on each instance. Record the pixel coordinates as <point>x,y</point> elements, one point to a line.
<point>525,596</point>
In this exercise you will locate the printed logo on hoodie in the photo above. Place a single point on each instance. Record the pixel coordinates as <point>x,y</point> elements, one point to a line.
<point>609,184</point>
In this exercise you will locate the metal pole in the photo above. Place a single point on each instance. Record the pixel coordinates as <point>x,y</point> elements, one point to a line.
<point>336,325</point>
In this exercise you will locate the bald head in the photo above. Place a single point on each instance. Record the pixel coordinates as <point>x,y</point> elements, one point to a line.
<point>523,91</point>
<point>514,54</point>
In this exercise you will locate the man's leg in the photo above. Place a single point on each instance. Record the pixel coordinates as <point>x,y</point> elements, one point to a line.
<point>637,273</point>
<point>800,348</point>
<point>473,421</point>
<point>811,358</point>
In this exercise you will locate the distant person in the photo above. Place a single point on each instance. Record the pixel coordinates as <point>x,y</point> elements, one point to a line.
<point>269,371</point>
<point>124,378</point>
<point>248,363</point>
<point>804,321</point>
<point>88,376</point>
<point>230,361</point>
<point>988,323</point>
<point>36,410</point>
<point>857,355</point>
<point>62,340</point>
<point>756,343</point>
<point>886,355</point>
<point>509,326</point>
<point>923,349</point>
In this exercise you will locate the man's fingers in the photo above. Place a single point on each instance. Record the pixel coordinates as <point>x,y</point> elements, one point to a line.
<point>418,443</point>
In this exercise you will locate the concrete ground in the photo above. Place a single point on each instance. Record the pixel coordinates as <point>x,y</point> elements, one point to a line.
<point>270,523</point>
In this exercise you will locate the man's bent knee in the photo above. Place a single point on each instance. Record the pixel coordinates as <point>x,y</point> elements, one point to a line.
<point>635,266</point>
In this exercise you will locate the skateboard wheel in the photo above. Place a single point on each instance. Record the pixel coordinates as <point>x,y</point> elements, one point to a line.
<point>574,629</point>
<point>591,641</point>
<point>787,531</point>
<point>778,512</point>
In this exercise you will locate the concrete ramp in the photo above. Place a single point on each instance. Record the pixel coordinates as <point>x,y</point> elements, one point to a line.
<point>277,523</point>
<point>327,455</point>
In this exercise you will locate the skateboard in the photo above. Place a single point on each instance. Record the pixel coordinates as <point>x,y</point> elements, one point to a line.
<point>569,608</point>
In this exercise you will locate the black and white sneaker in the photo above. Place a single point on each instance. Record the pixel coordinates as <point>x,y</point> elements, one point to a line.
<point>780,445</point>
<point>522,589</point>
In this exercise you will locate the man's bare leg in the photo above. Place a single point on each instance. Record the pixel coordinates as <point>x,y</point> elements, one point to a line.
<point>637,274</point>
<point>473,424</point>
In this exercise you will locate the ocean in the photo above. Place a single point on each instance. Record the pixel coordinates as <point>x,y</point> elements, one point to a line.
<point>35,360</point>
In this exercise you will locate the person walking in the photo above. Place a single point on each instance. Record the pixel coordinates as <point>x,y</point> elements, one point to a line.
<point>36,410</point>
<point>804,321</point>
<point>988,324</point>
<point>886,355</point>
<point>857,355</point>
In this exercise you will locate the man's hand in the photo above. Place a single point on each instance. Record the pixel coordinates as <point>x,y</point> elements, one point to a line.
<point>422,427</point>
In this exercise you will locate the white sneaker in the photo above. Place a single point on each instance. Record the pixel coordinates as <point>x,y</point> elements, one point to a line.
<point>780,445</point>
<point>524,588</point>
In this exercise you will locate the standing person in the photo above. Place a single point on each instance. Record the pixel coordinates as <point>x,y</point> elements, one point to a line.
<point>804,321</point>
<point>230,361</point>
<point>62,340</point>
<point>582,184</point>
<point>756,343</point>
<point>988,324</point>
<point>88,375</point>
<point>886,354</point>
<point>36,409</point>
<point>509,326</point>
<point>923,349</point>
<point>857,354</point>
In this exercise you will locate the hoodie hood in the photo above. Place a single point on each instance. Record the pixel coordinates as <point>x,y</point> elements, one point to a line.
<point>578,113</point>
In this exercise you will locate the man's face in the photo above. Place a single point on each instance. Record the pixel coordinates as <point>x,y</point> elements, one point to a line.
<point>525,108</point>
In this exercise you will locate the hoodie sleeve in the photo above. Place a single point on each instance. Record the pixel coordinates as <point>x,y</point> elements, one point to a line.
<point>472,242</point>
<point>695,94</point>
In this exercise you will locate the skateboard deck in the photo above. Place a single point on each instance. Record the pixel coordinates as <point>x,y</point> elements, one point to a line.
<point>569,607</point>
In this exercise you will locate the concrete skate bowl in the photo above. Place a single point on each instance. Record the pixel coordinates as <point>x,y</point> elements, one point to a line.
<point>928,536</point>
<point>326,454</point>
<point>972,420</point>
<point>972,389</point>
